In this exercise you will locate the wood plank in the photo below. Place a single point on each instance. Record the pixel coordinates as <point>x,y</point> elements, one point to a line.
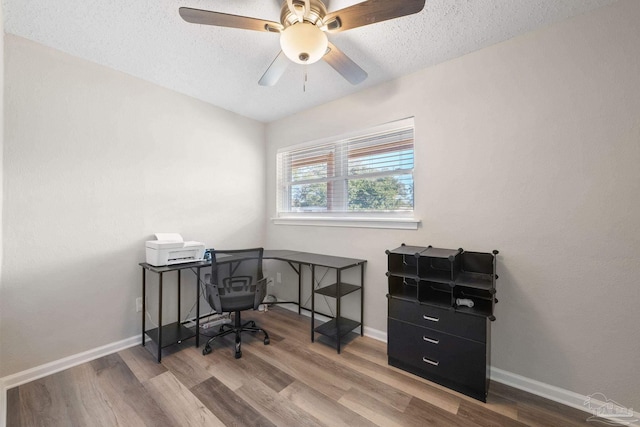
<point>127,397</point>
<point>378,412</point>
<point>45,402</point>
<point>369,349</point>
<point>255,367</point>
<point>179,403</point>
<point>278,322</point>
<point>13,407</point>
<point>189,366</point>
<point>305,370</point>
<point>321,407</point>
<point>142,363</point>
<point>432,415</point>
<point>499,404</point>
<point>227,405</point>
<point>331,361</point>
<point>278,409</point>
<point>483,416</point>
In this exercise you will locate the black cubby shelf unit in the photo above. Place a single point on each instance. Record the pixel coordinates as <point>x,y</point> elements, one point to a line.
<point>443,276</point>
<point>440,308</point>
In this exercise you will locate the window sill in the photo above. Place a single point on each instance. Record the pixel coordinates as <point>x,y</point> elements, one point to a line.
<point>393,223</point>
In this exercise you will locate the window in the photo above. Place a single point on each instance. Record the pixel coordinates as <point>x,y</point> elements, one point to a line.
<point>368,174</point>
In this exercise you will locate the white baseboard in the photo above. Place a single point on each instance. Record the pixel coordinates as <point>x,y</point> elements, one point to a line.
<point>556,394</point>
<point>375,334</point>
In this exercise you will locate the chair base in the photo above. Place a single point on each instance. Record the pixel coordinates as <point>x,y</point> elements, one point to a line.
<point>237,328</point>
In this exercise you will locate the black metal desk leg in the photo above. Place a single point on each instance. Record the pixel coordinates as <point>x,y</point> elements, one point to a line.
<point>313,302</point>
<point>338,271</point>
<point>144,297</point>
<point>179,293</point>
<point>159,317</point>
<point>299,288</point>
<point>362,299</point>
<point>198,309</point>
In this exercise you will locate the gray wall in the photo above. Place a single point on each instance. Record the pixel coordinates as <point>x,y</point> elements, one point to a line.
<point>95,162</point>
<point>530,147</point>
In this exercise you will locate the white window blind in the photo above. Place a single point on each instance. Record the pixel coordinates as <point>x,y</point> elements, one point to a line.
<point>366,173</point>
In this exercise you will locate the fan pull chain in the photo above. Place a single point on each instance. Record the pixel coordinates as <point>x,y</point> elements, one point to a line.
<point>304,82</point>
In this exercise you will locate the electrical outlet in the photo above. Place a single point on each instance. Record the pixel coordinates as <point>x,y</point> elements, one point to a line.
<point>278,277</point>
<point>138,304</point>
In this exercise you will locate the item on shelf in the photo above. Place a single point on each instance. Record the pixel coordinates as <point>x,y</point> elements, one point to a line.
<point>464,301</point>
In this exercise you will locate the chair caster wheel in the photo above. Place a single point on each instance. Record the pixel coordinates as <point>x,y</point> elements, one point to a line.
<point>206,350</point>
<point>266,341</point>
<point>238,355</point>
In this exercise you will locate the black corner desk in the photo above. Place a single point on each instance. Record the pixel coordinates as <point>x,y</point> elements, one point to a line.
<point>172,333</point>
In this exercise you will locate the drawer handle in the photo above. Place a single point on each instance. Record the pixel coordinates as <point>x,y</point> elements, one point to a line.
<point>430,362</point>
<point>432,319</point>
<point>431,340</point>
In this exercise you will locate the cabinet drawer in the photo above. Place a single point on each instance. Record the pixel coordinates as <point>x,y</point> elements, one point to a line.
<point>440,319</point>
<point>434,353</point>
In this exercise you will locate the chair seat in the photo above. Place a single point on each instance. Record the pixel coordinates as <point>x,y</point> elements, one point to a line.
<point>237,303</point>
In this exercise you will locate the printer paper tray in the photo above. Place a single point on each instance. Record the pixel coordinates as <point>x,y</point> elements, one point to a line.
<point>183,261</point>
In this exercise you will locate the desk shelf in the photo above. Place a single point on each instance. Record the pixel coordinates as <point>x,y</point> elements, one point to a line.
<point>337,327</point>
<point>171,334</point>
<point>332,290</point>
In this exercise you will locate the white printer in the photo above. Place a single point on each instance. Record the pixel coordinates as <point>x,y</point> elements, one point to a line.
<point>170,248</point>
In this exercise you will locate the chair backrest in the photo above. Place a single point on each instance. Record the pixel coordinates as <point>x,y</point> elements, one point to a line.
<point>236,282</point>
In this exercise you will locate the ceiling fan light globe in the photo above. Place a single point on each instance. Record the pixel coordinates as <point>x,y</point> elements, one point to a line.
<point>303,43</point>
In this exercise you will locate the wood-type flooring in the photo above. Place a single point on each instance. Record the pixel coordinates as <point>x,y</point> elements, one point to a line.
<point>291,382</point>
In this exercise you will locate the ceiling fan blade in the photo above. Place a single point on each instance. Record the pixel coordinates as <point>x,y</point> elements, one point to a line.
<point>206,17</point>
<point>275,70</point>
<point>370,12</point>
<point>344,65</point>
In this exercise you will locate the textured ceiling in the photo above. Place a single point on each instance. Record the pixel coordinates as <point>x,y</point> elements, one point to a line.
<point>222,66</point>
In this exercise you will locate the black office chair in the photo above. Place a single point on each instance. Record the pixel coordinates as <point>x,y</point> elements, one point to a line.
<point>235,284</point>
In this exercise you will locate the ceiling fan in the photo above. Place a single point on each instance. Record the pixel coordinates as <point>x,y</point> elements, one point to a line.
<point>303,26</point>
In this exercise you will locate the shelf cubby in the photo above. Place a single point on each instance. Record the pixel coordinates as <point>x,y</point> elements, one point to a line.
<point>438,265</point>
<point>435,293</point>
<point>482,300</point>
<point>403,287</point>
<point>403,260</point>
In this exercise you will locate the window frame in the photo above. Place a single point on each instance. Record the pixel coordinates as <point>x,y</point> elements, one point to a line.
<point>402,219</point>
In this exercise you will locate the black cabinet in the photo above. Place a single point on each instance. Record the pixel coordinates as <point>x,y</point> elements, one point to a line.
<point>440,308</point>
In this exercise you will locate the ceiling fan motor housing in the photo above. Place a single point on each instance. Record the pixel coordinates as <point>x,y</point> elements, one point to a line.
<point>316,13</point>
